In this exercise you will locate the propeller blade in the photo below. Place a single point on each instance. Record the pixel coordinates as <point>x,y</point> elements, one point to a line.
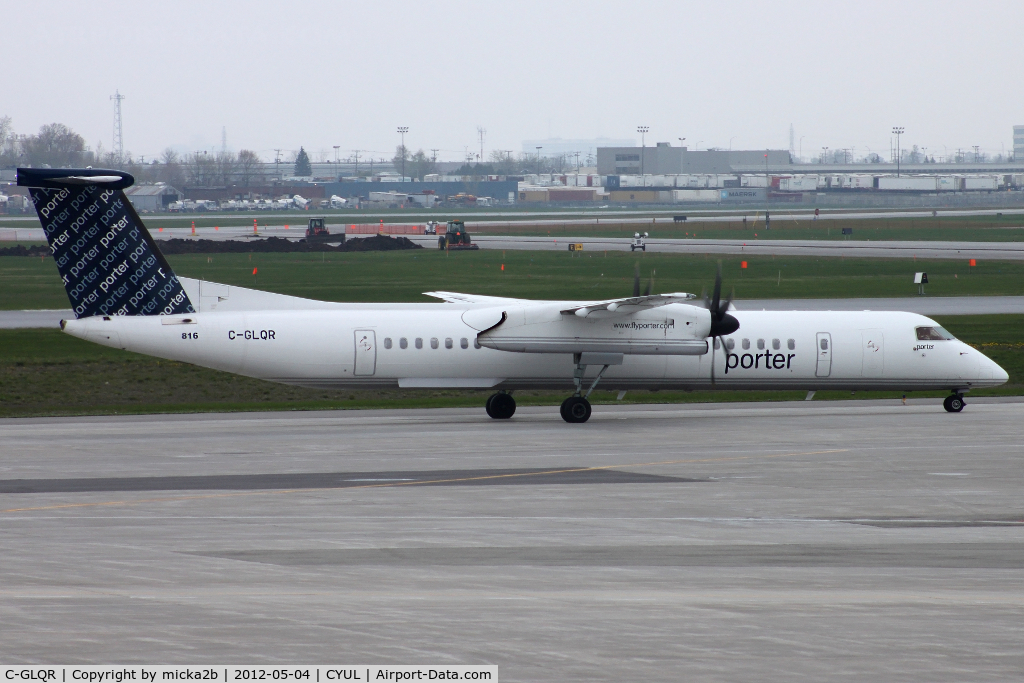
<point>636,279</point>
<point>717,297</point>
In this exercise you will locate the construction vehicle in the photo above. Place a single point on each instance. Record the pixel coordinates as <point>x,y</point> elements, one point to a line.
<point>317,232</point>
<point>455,237</point>
<point>639,242</point>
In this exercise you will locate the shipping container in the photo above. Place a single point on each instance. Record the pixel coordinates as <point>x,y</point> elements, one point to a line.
<point>698,195</point>
<point>909,183</point>
<point>804,183</point>
<point>950,183</point>
<point>743,194</point>
<point>981,183</point>
<point>636,195</point>
<point>753,181</point>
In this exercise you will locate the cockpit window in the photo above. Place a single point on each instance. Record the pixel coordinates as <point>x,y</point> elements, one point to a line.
<point>935,333</point>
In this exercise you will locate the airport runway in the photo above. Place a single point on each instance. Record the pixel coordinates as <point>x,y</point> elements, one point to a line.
<point>768,542</point>
<point>938,305</point>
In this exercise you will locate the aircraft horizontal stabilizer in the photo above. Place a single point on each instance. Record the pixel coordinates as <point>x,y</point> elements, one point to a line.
<point>628,305</point>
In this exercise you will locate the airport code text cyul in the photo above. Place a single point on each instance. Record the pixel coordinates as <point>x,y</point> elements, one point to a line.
<point>237,674</point>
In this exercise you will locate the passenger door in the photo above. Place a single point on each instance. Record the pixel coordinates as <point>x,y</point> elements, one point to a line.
<point>824,346</point>
<point>872,352</point>
<point>366,353</point>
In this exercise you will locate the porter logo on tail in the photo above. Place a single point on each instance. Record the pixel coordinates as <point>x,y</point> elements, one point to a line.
<point>107,259</point>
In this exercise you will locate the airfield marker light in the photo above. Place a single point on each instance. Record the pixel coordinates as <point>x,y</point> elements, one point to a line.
<point>159,229</point>
<point>972,263</point>
<point>193,228</point>
<point>286,227</point>
<point>503,267</point>
<point>743,264</point>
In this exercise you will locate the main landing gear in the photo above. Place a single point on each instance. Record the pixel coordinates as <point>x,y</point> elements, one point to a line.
<point>501,406</point>
<point>954,403</point>
<point>576,409</point>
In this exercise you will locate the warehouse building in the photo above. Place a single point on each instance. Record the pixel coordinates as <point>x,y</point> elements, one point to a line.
<point>152,197</point>
<point>664,159</point>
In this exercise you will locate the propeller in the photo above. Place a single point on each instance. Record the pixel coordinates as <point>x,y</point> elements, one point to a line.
<point>636,281</point>
<point>721,322</point>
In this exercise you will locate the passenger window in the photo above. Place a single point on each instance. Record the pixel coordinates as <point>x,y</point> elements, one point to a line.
<point>932,334</point>
<point>387,342</point>
<point>448,343</point>
<point>760,344</point>
<point>419,342</point>
<point>824,344</point>
<point>718,343</point>
<point>403,343</point>
<point>433,343</point>
<point>776,344</point>
<point>476,343</point>
<point>464,343</point>
<point>730,344</point>
<point>746,344</point>
<point>791,344</point>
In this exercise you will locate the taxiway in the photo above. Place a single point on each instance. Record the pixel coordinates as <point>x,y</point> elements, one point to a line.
<point>848,540</point>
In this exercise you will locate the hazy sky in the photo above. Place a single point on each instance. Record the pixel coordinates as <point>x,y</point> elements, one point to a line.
<point>319,74</point>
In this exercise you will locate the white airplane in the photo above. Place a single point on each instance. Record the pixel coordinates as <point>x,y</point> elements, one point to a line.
<point>125,295</point>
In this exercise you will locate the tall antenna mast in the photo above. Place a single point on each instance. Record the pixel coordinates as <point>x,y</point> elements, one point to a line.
<point>223,138</point>
<point>118,134</point>
<point>480,131</point>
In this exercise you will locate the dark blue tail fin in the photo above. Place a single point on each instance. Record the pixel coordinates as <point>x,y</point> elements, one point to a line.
<point>106,257</point>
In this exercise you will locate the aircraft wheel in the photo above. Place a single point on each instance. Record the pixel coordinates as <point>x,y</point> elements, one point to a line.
<point>501,406</point>
<point>953,403</point>
<point>487,406</point>
<point>575,409</point>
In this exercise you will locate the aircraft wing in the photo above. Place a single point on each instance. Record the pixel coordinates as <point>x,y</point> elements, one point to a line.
<point>628,305</point>
<point>457,298</point>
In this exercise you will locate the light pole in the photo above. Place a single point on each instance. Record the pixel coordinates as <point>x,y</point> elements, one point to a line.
<point>402,130</point>
<point>337,168</point>
<point>643,144</point>
<point>824,154</point>
<point>730,142</point>
<point>539,167</point>
<point>897,131</point>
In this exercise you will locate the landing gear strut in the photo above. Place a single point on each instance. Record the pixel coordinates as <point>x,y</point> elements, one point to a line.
<point>501,406</point>
<point>954,403</point>
<point>576,408</point>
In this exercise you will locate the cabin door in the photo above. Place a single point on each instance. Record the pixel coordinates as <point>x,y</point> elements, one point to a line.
<point>366,353</point>
<point>824,346</point>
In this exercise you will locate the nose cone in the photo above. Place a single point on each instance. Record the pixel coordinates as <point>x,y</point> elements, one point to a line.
<point>1000,375</point>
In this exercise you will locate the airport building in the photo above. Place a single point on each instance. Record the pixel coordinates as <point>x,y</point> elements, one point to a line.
<point>152,197</point>
<point>664,159</point>
<point>1018,143</point>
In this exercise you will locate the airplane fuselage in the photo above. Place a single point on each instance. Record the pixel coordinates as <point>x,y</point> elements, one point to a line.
<point>431,345</point>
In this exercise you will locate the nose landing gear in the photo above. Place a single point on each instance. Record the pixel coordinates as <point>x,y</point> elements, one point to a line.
<point>501,406</point>
<point>954,403</point>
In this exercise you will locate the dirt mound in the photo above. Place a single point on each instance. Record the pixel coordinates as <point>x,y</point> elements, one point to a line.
<point>280,245</point>
<point>268,245</point>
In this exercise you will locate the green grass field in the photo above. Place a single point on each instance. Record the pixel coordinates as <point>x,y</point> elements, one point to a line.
<point>28,283</point>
